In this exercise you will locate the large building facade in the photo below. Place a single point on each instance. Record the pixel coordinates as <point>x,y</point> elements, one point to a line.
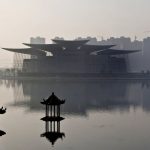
<point>73,58</point>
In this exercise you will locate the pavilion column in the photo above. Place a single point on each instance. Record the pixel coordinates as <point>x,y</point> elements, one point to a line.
<point>54,126</point>
<point>58,126</point>
<point>51,126</point>
<point>54,110</point>
<point>59,110</point>
<point>48,126</point>
<point>51,110</point>
<point>46,112</point>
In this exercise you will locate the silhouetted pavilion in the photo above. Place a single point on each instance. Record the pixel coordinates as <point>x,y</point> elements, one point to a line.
<point>52,110</point>
<point>52,118</point>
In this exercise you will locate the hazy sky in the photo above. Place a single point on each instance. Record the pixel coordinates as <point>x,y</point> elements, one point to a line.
<point>21,19</point>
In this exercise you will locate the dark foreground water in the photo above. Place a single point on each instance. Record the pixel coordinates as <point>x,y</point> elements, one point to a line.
<point>105,115</point>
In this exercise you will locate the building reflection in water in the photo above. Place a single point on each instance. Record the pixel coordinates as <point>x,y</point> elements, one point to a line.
<point>83,95</point>
<point>52,118</point>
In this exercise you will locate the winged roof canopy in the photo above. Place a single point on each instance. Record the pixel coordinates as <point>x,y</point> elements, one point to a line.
<point>57,47</point>
<point>30,51</point>
<point>63,47</point>
<point>116,52</point>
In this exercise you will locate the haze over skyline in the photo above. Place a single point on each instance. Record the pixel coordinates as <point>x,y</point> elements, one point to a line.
<point>69,18</point>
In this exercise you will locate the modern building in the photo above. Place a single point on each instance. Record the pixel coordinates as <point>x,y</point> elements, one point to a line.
<point>76,57</point>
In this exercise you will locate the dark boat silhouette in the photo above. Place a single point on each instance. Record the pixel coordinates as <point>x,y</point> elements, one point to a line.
<point>2,133</point>
<point>3,110</point>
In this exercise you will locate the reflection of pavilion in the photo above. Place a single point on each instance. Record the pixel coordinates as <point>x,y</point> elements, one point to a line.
<point>52,132</point>
<point>52,119</point>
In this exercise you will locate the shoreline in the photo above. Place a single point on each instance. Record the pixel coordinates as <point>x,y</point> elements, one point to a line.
<point>130,76</point>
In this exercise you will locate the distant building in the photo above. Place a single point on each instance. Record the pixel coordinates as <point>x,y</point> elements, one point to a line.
<point>37,40</point>
<point>136,62</point>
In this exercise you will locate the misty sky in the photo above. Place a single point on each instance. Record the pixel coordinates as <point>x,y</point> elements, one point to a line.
<point>21,19</point>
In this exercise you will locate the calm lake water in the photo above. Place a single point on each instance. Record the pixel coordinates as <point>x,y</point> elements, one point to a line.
<point>99,115</point>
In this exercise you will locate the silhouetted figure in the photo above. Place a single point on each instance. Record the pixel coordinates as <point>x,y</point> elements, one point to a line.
<point>3,110</point>
<point>52,118</point>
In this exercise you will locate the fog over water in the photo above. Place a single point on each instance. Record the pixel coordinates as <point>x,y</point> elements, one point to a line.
<point>98,114</point>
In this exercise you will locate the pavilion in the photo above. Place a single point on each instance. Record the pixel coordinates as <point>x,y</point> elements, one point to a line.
<point>52,118</point>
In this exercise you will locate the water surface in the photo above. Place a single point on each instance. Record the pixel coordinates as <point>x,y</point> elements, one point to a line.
<point>106,115</point>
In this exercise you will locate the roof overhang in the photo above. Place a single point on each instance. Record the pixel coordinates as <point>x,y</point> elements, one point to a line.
<point>29,51</point>
<point>93,48</point>
<point>116,52</point>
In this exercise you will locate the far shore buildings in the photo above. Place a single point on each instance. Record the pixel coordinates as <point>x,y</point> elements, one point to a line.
<point>137,62</point>
<point>83,56</point>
